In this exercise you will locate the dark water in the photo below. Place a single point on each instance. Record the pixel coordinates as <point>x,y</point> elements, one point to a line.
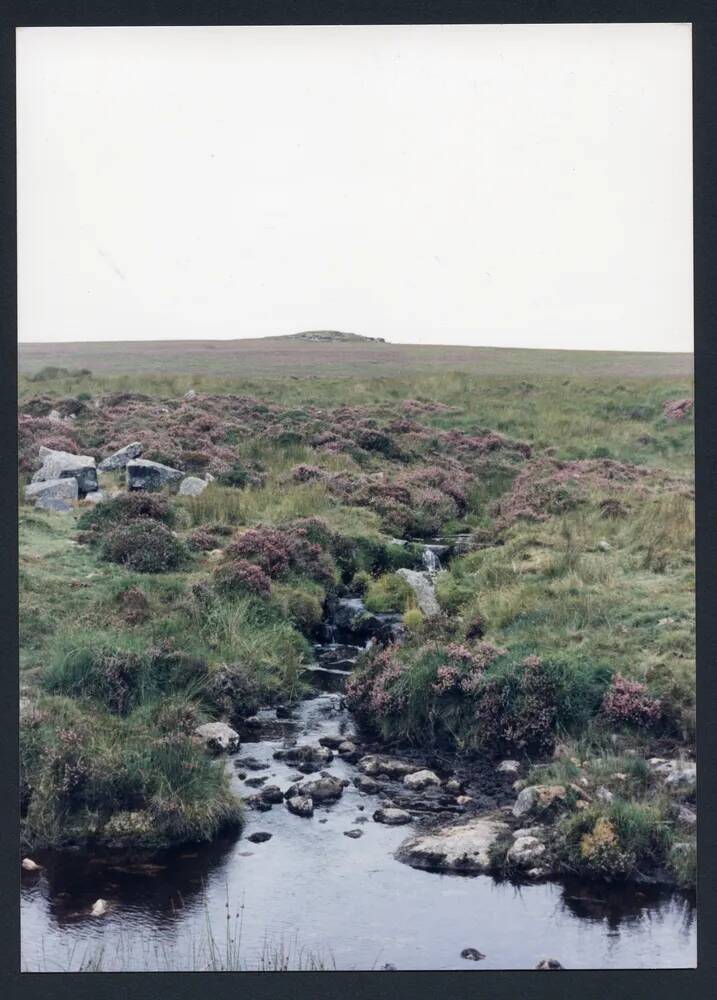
<point>310,889</point>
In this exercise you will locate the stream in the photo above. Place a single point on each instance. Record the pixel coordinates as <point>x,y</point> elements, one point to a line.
<point>312,890</point>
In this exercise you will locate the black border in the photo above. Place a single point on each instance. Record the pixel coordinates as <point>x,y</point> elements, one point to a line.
<point>636,984</point>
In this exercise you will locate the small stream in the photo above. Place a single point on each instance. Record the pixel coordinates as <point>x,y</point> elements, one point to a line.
<point>312,889</point>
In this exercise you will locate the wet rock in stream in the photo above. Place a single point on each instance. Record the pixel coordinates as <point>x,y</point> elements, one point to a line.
<point>324,789</point>
<point>392,816</point>
<point>301,805</point>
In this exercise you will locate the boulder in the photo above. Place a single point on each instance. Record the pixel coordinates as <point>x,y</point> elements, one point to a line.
<point>218,737</point>
<point>538,799</point>
<point>192,486</point>
<point>392,816</point>
<point>52,489</point>
<point>256,802</point>
<point>603,794</point>
<point>65,465</point>
<point>375,764</point>
<point>508,767</point>
<point>55,504</point>
<point>353,834</point>
<point>120,458</point>
<point>301,805</point>
<point>260,837</point>
<point>271,794</point>
<point>421,779</point>
<point>462,848</point>
<point>332,742</point>
<point>190,394</point>
<point>472,954</point>
<point>367,785</point>
<point>526,851</point>
<point>307,758</point>
<point>251,763</point>
<point>549,963</point>
<point>324,789</point>
<point>145,475</point>
<point>422,586</point>
<point>348,749</point>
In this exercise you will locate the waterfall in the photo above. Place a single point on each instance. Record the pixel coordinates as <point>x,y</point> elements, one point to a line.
<point>431,560</point>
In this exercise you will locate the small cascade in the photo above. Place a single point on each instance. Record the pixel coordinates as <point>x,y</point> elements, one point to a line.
<point>431,560</point>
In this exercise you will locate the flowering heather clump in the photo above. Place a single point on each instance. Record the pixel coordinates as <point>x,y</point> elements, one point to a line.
<point>240,576</point>
<point>483,443</point>
<point>202,540</point>
<point>280,550</point>
<point>451,482</point>
<point>677,409</point>
<point>629,702</point>
<point>465,672</point>
<point>371,692</point>
<point>36,431</point>
<point>266,547</point>
<point>448,678</point>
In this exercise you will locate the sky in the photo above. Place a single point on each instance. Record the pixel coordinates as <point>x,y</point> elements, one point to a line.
<point>518,186</point>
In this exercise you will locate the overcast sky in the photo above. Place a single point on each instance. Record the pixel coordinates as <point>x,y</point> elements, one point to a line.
<point>515,186</point>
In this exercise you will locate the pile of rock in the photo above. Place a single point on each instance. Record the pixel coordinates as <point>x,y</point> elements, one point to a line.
<point>62,479</point>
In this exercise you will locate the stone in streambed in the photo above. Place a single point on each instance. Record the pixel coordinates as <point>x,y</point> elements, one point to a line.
<point>218,737</point>
<point>367,785</point>
<point>538,799</point>
<point>472,954</point>
<point>301,805</point>
<point>526,851</point>
<point>251,763</point>
<point>376,764</point>
<point>462,848</point>
<point>353,834</point>
<point>392,816</point>
<point>324,789</point>
<point>421,779</point>
<point>271,794</point>
<point>260,837</point>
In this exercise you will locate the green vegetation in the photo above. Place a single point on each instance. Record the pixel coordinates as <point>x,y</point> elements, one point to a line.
<point>567,611</point>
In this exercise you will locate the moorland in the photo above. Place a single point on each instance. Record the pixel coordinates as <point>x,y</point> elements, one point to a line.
<point>556,641</point>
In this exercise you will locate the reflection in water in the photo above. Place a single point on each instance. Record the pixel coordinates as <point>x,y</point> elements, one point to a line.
<point>162,887</point>
<point>311,884</point>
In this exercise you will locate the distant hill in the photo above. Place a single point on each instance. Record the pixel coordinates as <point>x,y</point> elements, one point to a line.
<point>331,336</point>
<point>310,355</point>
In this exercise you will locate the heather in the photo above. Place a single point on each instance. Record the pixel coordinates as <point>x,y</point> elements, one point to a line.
<point>563,510</point>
